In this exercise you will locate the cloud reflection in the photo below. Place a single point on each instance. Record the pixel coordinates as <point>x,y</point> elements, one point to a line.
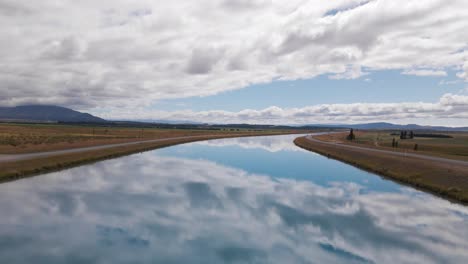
<point>150,208</point>
<point>270,144</point>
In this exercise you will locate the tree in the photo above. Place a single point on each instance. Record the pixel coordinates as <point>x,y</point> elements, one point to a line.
<point>396,144</point>
<point>393,142</point>
<point>415,147</point>
<point>351,135</point>
<point>411,135</point>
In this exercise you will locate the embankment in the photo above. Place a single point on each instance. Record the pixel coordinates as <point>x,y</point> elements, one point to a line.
<point>21,168</point>
<point>441,178</point>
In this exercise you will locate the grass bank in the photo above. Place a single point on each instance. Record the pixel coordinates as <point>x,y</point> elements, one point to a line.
<point>14,170</point>
<point>445,180</point>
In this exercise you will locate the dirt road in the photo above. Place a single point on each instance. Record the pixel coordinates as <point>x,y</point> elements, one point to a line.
<point>396,153</point>
<point>18,157</point>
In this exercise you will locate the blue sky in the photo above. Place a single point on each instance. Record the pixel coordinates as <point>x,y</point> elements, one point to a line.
<point>377,87</point>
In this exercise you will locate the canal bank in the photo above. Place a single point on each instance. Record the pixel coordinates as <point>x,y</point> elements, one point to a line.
<point>445,178</point>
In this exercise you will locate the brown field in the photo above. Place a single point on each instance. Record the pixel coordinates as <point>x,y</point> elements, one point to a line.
<point>452,148</point>
<point>446,180</point>
<point>28,138</point>
<point>31,138</point>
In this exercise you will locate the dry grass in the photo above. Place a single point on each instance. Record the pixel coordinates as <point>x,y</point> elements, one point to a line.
<point>452,148</point>
<point>28,138</point>
<point>20,169</point>
<point>17,139</point>
<point>445,180</point>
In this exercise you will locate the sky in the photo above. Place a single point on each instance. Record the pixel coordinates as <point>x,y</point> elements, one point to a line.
<point>240,61</point>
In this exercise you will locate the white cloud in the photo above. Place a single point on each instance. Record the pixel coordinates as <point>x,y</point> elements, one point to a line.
<point>449,82</point>
<point>464,73</point>
<point>425,73</point>
<point>125,53</point>
<point>449,107</point>
<point>353,72</point>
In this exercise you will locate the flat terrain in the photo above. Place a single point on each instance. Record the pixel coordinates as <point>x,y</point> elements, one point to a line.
<point>451,148</point>
<point>445,177</point>
<point>28,138</point>
<point>27,156</point>
<point>393,152</point>
<point>27,149</point>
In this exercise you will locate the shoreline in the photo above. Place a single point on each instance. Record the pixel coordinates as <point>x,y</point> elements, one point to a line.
<point>19,169</point>
<point>443,180</point>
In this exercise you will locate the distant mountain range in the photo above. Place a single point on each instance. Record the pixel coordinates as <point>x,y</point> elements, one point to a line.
<point>390,126</point>
<point>51,113</point>
<point>46,113</point>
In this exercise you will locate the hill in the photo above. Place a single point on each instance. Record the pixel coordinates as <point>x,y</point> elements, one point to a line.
<point>46,113</point>
<point>383,125</point>
<point>390,126</point>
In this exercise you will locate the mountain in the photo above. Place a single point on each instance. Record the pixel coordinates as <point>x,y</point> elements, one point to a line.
<point>46,113</point>
<point>390,126</point>
<point>51,113</point>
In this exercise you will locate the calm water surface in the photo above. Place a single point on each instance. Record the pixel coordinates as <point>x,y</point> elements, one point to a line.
<point>246,200</point>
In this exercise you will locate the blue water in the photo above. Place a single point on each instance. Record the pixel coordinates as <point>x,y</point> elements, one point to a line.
<point>246,200</point>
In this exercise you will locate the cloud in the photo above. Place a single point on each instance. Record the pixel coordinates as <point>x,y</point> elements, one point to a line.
<point>464,73</point>
<point>202,61</point>
<point>353,72</point>
<point>244,5</point>
<point>425,73</point>
<point>126,53</point>
<point>449,106</point>
<point>449,82</point>
<point>346,7</point>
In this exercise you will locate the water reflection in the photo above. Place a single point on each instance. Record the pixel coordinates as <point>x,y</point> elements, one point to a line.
<point>151,208</point>
<point>270,144</point>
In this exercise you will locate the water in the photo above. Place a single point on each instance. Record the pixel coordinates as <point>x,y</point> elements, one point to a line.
<point>246,200</point>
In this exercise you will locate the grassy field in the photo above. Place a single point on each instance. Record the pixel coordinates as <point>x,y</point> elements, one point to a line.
<point>28,138</point>
<point>453,148</point>
<point>31,138</point>
<point>446,180</point>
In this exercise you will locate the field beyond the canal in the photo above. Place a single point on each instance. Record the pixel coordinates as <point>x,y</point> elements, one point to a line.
<point>454,146</point>
<point>30,138</point>
<point>18,139</point>
<point>444,178</point>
